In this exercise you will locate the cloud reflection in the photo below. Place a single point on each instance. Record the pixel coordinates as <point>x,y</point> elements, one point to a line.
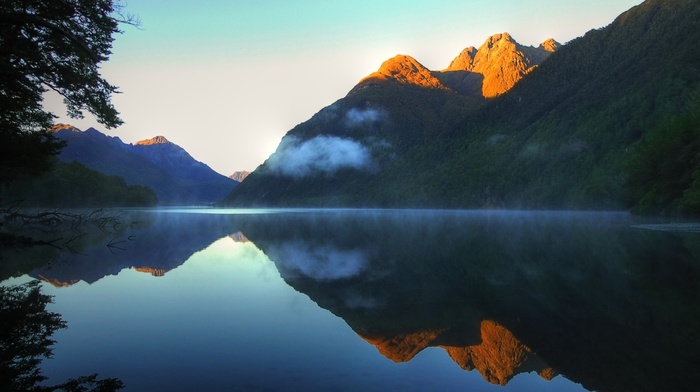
<point>319,262</point>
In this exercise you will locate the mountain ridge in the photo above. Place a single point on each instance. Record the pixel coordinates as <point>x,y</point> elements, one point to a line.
<point>502,62</point>
<point>494,68</point>
<point>575,133</point>
<point>155,140</point>
<point>165,167</point>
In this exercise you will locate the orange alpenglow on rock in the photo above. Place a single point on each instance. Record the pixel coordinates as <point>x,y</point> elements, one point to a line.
<point>550,45</point>
<point>499,357</point>
<point>502,61</point>
<point>401,69</point>
<point>402,348</point>
<point>63,127</point>
<point>155,140</point>
<point>57,283</point>
<point>153,271</point>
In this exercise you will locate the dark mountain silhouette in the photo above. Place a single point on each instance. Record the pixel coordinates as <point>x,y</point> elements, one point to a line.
<point>204,183</point>
<point>595,125</point>
<point>578,294</point>
<point>169,170</point>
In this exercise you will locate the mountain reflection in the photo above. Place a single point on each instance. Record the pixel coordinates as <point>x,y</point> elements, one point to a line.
<point>148,242</point>
<point>583,295</point>
<point>498,357</point>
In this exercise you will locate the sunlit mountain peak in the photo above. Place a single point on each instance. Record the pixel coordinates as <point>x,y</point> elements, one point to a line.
<point>64,127</point>
<point>156,140</point>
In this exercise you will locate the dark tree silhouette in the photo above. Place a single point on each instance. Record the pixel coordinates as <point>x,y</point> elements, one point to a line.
<point>56,45</point>
<point>26,328</point>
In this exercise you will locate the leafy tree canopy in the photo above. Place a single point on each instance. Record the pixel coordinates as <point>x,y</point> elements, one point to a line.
<point>56,45</point>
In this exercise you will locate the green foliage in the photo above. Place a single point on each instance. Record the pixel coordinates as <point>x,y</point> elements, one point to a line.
<point>560,139</point>
<point>74,185</point>
<point>664,170</point>
<point>59,45</point>
<point>26,153</point>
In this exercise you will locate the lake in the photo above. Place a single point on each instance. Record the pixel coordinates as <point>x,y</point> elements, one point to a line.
<point>373,300</point>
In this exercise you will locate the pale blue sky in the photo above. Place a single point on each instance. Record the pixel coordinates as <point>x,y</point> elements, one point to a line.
<point>227,79</point>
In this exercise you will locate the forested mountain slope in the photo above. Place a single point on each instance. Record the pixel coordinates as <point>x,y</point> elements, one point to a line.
<point>577,131</point>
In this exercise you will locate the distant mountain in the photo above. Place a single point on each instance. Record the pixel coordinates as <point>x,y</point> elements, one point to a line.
<point>608,120</point>
<point>203,183</point>
<point>239,176</point>
<point>169,170</point>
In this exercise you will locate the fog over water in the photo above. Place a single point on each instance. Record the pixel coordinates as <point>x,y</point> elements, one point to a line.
<point>350,299</point>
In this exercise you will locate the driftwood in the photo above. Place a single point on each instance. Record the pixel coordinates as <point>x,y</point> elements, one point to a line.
<point>61,229</point>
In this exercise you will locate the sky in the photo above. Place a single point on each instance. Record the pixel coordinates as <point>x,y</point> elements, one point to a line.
<point>227,79</point>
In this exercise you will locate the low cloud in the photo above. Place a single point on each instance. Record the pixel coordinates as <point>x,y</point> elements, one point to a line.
<point>355,117</point>
<point>319,262</point>
<point>321,154</point>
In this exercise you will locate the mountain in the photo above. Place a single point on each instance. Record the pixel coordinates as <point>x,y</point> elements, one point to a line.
<point>607,121</point>
<point>347,145</point>
<point>156,244</point>
<point>203,183</point>
<point>498,358</point>
<point>504,292</point>
<point>500,63</point>
<point>239,176</point>
<point>168,169</point>
<point>401,69</point>
<point>487,72</point>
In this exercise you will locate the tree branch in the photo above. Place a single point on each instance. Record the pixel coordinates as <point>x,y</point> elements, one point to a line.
<point>19,19</point>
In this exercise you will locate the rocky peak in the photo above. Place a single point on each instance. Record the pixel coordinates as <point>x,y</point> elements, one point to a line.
<point>401,69</point>
<point>494,68</point>
<point>157,272</point>
<point>502,62</point>
<point>64,127</point>
<point>499,40</point>
<point>239,175</point>
<point>464,61</point>
<point>402,347</point>
<point>500,356</point>
<point>156,140</point>
<point>550,45</point>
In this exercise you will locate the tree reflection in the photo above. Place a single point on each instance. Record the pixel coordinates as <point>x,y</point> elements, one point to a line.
<point>582,295</point>
<point>26,328</point>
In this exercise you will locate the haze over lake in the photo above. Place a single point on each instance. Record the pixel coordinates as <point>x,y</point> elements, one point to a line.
<point>220,300</point>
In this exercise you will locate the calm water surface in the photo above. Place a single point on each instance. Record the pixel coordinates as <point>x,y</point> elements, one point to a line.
<point>363,300</point>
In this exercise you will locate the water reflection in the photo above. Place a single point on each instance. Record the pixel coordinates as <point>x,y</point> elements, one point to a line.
<point>584,295</point>
<point>26,331</point>
<point>149,242</point>
<point>581,295</point>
